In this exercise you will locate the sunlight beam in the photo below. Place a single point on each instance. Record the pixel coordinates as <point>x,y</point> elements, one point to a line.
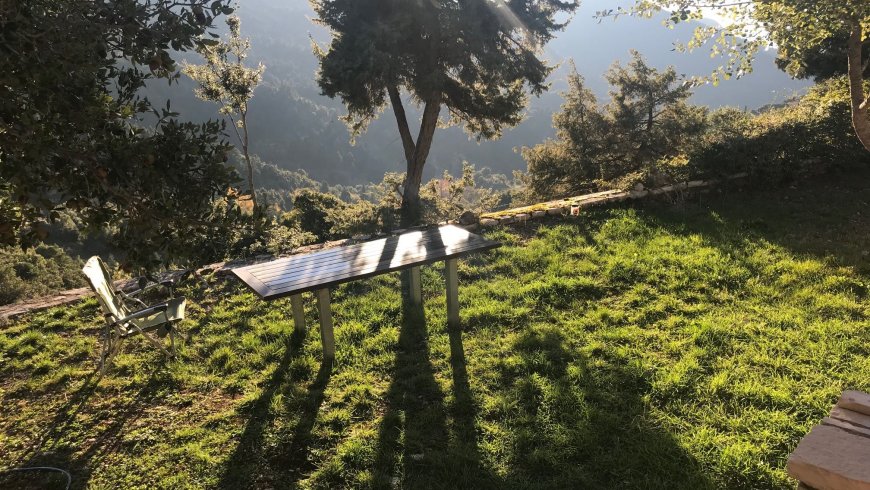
<point>507,16</point>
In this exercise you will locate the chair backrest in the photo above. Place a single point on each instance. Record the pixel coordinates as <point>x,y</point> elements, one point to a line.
<point>101,282</point>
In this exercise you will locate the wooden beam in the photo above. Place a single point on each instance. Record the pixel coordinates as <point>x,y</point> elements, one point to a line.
<point>452,274</point>
<point>855,418</point>
<point>416,286</point>
<point>326,335</point>
<point>830,457</point>
<point>846,426</point>
<point>855,401</point>
<point>325,269</point>
<point>298,312</point>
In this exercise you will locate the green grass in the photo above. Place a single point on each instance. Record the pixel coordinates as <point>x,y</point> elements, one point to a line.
<point>655,347</point>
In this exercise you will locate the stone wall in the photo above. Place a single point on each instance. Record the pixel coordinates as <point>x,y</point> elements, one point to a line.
<point>573,205</point>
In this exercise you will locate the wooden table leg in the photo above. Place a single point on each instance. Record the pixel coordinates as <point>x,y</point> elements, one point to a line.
<point>326,335</point>
<point>416,286</point>
<point>452,293</point>
<point>298,312</point>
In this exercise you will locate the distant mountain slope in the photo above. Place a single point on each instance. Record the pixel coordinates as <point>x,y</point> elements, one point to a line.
<point>294,127</point>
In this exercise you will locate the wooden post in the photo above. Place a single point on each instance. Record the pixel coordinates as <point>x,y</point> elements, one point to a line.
<point>452,293</point>
<point>326,335</point>
<point>298,312</point>
<point>416,286</point>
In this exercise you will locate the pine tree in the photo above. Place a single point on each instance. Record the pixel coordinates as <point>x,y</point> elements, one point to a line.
<point>225,79</point>
<point>478,58</point>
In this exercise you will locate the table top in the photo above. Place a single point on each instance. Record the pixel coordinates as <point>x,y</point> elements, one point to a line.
<point>319,270</point>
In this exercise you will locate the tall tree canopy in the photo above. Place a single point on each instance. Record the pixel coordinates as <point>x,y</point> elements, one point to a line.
<point>646,121</point>
<point>72,133</point>
<point>806,32</point>
<point>478,58</point>
<point>225,79</point>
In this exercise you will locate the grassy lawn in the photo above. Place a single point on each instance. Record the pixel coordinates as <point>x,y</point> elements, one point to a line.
<point>685,346</point>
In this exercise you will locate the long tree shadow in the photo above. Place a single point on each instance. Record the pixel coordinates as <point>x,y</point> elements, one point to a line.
<point>582,421</point>
<point>252,464</point>
<point>412,438</point>
<point>105,426</point>
<point>294,463</point>
<point>65,415</point>
<point>466,465</point>
<point>422,443</point>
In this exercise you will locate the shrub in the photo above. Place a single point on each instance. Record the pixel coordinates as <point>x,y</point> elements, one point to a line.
<point>325,216</point>
<point>34,272</point>
<point>809,136</point>
<point>805,137</point>
<point>313,211</point>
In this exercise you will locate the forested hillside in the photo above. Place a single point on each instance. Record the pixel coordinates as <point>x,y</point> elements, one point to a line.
<point>294,127</point>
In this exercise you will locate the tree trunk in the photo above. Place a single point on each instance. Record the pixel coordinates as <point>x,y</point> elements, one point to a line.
<point>860,102</point>
<point>244,119</point>
<point>411,210</point>
<point>402,121</point>
<point>251,178</point>
<point>416,153</point>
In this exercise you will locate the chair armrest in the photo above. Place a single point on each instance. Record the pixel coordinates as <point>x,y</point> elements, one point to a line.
<point>167,284</point>
<point>144,286</point>
<point>161,308</point>
<point>131,297</point>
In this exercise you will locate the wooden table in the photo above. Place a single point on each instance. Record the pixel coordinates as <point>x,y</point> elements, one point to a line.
<point>319,271</point>
<point>835,455</point>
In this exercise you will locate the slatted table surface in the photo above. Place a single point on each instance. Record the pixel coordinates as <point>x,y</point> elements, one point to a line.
<point>322,270</point>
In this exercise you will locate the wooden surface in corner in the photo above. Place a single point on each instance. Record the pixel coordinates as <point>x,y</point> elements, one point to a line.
<point>835,455</point>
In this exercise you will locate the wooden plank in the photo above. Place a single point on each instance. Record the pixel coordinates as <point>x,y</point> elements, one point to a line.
<point>452,276</point>
<point>855,418</point>
<point>855,401</point>
<point>252,282</point>
<point>298,312</point>
<point>444,235</point>
<point>367,253</point>
<point>335,277</point>
<point>451,234</point>
<point>326,334</point>
<point>847,426</point>
<point>830,458</point>
<point>391,261</point>
<point>416,286</point>
<point>372,258</point>
<point>431,239</point>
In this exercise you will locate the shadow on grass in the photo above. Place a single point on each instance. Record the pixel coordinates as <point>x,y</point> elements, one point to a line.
<point>422,443</point>
<point>464,447</point>
<point>566,421</point>
<point>826,217</point>
<point>294,462</point>
<point>253,464</point>
<point>65,415</point>
<point>581,421</point>
<point>104,426</point>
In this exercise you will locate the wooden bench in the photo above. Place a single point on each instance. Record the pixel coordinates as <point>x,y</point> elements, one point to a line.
<point>320,271</point>
<point>835,455</point>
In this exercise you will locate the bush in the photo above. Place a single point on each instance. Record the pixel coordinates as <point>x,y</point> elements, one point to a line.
<point>35,272</point>
<point>637,137</point>
<point>325,216</point>
<point>807,137</point>
<point>276,238</point>
<point>314,212</point>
